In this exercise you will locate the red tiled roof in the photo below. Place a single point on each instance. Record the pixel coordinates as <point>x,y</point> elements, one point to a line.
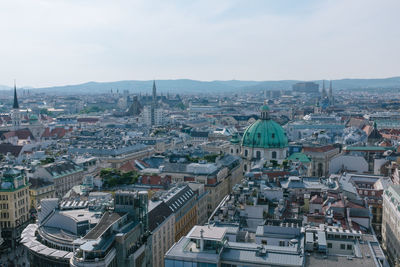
<point>318,149</point>
<point>14,150</point>
<point>350,204</point>
<point>21,134</point>
<point>338,204</point>
<point>155,180</point>
<point>316,199</point>
<point>211,181</point>
<point>58,132</point>
<point>128,166</point>
<point>88,120</point>
<point>368,129</point>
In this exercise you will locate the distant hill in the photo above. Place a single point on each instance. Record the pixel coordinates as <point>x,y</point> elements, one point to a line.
<point>3,87</point>
<point>164,86</point>
<point>194,86</point>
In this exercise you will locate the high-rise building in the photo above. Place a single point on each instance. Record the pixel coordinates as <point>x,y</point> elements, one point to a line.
<point>306,87</point>
<point>152,116</point>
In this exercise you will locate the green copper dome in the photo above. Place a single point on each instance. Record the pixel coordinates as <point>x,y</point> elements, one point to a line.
<point>264,108</point>
<point>33,117</point>
<point>235,139</point>
<point>265,133</point>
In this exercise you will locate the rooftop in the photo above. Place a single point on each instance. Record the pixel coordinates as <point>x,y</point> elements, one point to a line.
<point>106,221</point>
<point>207,233</point>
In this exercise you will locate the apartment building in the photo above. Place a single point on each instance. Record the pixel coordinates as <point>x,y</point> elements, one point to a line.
<point>14,203</point>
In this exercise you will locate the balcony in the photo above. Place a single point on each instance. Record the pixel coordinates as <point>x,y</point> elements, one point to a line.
<point>79,261</point>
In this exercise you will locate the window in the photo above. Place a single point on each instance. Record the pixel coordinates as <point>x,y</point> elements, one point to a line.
<point>349,247</point>
<point>274,154</point>
<point>258,154</point>
<point>342,246</point>
<point>264,242</point>
<point>329,245</point>
<point>273,135</point>
<point>231,150</point>
<point>281,243</point>
<point>246,153</point>
<point>259,135</point>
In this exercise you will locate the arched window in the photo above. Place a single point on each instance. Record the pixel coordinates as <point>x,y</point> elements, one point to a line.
<point>245,167</point>
<point>274,154</point>
<point>258,154</point>
<point>237,150</point>
<point>231,150</point>
<point>246,153</point>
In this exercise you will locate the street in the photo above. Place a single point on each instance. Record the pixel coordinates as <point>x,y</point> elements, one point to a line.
<point>15,258</point>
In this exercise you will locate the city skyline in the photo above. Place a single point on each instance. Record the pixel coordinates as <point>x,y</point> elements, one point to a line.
<point>77,41</point>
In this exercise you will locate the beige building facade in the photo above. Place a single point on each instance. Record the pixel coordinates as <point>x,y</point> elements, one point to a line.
<point>14,203</point>
<point>391,224</point>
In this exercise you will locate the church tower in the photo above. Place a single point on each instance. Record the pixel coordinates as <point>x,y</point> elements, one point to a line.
<point>330,96</point>
<point>15,113</point>
<point>323,89</point>
<point>153,104</point>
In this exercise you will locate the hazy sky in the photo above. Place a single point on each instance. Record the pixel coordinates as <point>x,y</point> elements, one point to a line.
<point>55,42</point>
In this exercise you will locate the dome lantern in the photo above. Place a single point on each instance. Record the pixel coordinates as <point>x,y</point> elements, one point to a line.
<point>265,133</point>
<point>265,111</point>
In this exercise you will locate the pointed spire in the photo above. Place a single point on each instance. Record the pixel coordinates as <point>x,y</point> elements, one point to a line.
<point>154,90</point>
<point>323,89</point>
<point>15,105</point>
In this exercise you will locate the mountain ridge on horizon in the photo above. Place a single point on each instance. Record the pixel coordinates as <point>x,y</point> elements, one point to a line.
<point>197,86</point>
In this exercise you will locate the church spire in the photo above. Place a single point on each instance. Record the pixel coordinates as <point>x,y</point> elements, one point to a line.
<point>323,89</point>
<point>154,91</point>
<point>15,105</point>
<point>153,104</point>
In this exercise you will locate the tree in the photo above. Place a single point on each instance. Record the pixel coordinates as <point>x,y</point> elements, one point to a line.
<point>211,157</point>
<point>47,160</point>
<point>113,177</point>
<point>91,109</point>
<point>45,111</point>
<point>274,162</point>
